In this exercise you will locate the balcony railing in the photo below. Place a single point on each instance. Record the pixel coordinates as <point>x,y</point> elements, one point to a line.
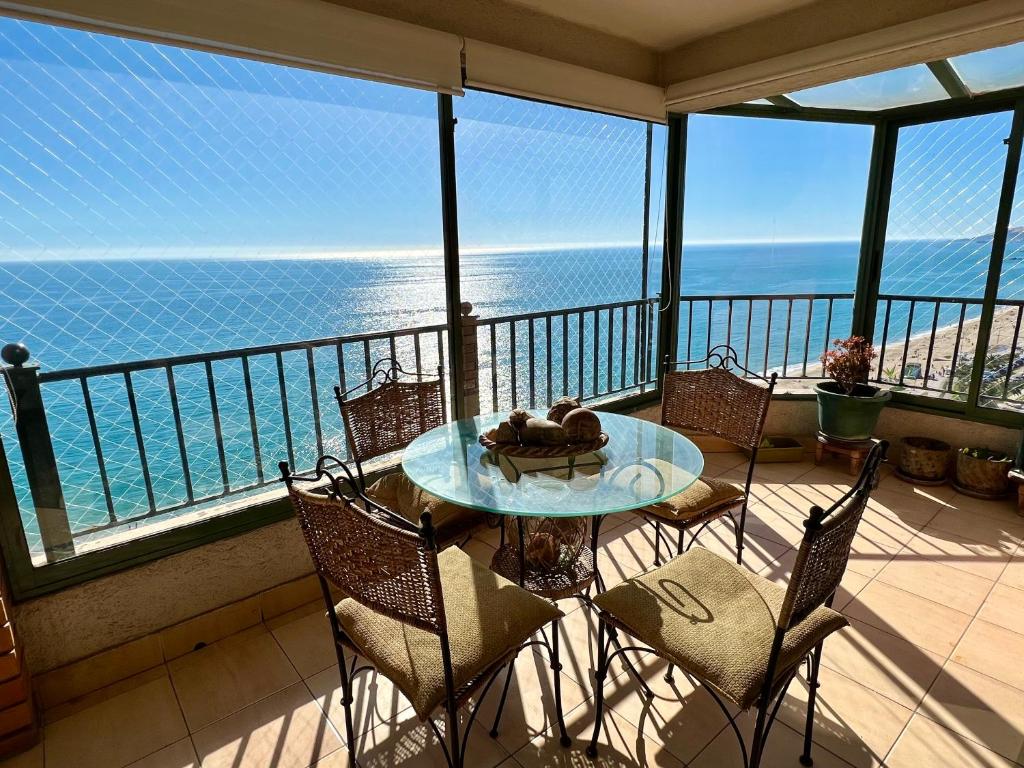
<point>782,333</point>
<point>114,446</point>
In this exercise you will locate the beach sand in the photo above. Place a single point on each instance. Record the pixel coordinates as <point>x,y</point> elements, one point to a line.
<point>892,358</point>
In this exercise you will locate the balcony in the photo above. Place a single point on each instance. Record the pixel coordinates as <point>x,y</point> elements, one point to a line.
<point>207,244</point>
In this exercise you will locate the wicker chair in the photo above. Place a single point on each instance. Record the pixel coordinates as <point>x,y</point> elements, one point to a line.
<point>441,627</point>
<point>714,401</point>
<point>743,637</point>
<point>396,408</point>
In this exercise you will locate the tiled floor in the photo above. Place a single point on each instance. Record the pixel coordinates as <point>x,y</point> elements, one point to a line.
<point>930,672</point>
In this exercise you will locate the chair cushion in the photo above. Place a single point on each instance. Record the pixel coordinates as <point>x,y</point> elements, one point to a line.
<point>488,617</point>
<point>399,494</point>
<point>702,497</point>
<point>716,620</point>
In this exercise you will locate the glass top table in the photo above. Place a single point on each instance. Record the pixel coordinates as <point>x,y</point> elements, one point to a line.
<point>642,464</point>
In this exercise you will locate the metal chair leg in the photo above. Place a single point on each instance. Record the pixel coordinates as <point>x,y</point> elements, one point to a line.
<point>556,668</point>
<point>812,692</point>
<point>739,534</point>
<point>757,746</point>
<point>501,702</point>
<point>657,543</point>
<point>599,675</point>
<point>457,757</point>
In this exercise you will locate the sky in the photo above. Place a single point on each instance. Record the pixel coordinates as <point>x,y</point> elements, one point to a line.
<point>112,147</point>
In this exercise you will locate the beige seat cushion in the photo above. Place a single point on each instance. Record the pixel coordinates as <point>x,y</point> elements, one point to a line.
<point>716,620</point>
<point>705,495</point>
<point>399,494</point>
<point>488,617</point>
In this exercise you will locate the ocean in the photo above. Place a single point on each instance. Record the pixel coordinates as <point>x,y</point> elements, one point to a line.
<point>82,312</point>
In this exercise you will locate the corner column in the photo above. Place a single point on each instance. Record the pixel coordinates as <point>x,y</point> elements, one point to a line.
<point>470,362</point>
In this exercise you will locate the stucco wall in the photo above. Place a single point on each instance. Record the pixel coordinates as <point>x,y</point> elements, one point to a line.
<point>91,617</point>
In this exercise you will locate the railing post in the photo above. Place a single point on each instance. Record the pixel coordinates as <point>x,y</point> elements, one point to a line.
<point>470,362</point>
<point>37,453</point>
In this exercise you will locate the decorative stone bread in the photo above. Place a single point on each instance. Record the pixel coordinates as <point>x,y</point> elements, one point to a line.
<point>506,433</point>
<point>542,432</point>
<point>581,425</point>
<point>562,406</point>
<point>519,417</point>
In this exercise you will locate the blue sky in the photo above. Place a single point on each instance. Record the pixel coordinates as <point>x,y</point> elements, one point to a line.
<point>109,146</point>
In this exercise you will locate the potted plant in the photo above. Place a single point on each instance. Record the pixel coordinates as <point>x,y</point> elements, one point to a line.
<point>923,460</point>
<point>982,472</point>
<point>848,407</point>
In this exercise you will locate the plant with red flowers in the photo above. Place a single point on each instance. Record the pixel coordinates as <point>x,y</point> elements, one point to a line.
<point>849,363</point>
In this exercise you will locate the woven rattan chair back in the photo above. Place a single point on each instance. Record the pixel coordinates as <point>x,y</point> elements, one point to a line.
<point>825,549</point>
<point>392,413</point>
<point>367,552</point>
<point>715,401</point>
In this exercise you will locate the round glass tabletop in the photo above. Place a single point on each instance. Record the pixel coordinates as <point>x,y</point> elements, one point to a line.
<point>643,463</point>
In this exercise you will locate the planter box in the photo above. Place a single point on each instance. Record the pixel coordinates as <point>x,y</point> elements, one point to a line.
<point>782,449</point>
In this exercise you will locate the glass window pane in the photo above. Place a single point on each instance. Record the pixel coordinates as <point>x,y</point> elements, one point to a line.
<point>774,212</point>
<point>551,218</point>
<point>942,213</point>
<point>884,90</point>
<point>992,70</point>
<point>158,202</point>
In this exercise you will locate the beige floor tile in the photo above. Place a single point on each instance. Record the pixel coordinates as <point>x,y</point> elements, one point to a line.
<point>978,707</point>
<point>717,463</point>
<point>924,623</point>
<point>285,730</point>
<point>619,745</point>
<point>1001,509</point>
<point>757,553</point>
<point>1003,531</point>
<point>180,754</point>
<point>1005,607</point>
<point>230,674</point>
<point>956,589</point>
<point>374,698</point>
<point>882,662</point>
<point>682,717</point>
<point>479,550</point>
<point>778,524</point>
<point>30,758</point>
<point>405,741</point>
<point>632,549</point>
<point>994,651</point>
<point>578,640</point>
<point>1013,575</point>
<point>890,482</point>
<point>781,569</point>
<point>953,550</point>
<point>530,706</point>
<point>117,731</point>
<point>308,643</point>
<point>850,720</point>
<point>925,744</point>
<point>782,750</point>
<point>911,509</point>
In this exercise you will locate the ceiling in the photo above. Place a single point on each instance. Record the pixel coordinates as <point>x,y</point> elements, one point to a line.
<point>661,24</point>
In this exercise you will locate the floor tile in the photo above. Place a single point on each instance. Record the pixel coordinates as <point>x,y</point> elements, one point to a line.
<point>956,589</point>
<point>782,750</point>
<point>374,698</point>
<point>924,623</point>
<point>925,744</point>
<point>405,741</point>
<point>882,662</point>
<point>180,754</point>
<point>1013,575</point>
<point>530,705</point>
<point>117,731</point>
<point>230,674</point>
<point>682,717</point>
<point>953,550</point>
<point>619,744</point>
<point>308,643</point>
<point>911,509</point>
<point>767,522</point>
<point>1005,531</point>
<point>850,720</point>
<point>1005,607</point>
<point>978,707</point>
<point>994,651</point>
<point>285,730</point>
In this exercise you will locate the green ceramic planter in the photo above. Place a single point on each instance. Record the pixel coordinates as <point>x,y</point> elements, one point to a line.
<point>849,417</point>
